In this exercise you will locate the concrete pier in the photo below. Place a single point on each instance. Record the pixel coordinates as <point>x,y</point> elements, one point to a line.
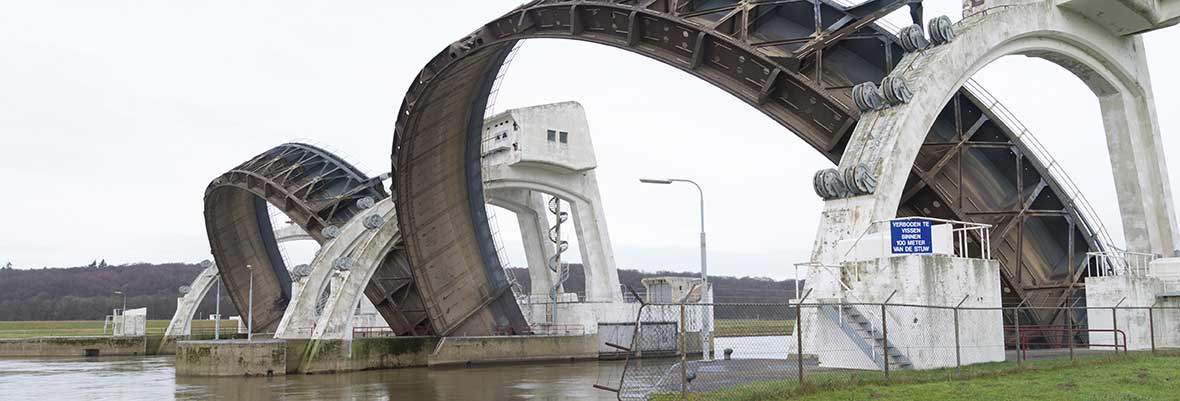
<point>476,350</point>
<point>73,346</point>
<point>231,358</point>
<point>277,357</point>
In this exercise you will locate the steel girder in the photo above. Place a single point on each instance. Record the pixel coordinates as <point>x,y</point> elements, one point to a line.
<point>317,190</point>
<point>791,59</point>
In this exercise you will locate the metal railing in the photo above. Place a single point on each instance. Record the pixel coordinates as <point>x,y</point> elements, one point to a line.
<point>961,234</point>
<point>1119,263</point>
<point>1041,337</point>
<point>373,332</point>
<point>541,329</point>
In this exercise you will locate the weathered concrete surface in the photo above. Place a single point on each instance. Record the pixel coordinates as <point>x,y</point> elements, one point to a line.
<point>367,254</point>
<point>300,318</point>
<point>1126,17</point>
<point>1103,293</point>
<point>1121,17</point>
<point>480,350</point>
<point>531,210</point>
<point>1114,67</point>
<point>1166,269</point>
<point>73,346</point>
<point>924,335</point>
<point>231,358</point>
<point>328,356</point>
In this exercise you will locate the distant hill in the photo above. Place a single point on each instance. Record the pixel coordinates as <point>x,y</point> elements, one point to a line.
<point>87,293</point>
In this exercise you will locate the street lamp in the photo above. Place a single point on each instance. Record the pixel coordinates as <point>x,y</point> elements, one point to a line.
<point>250,308</point>
<point>124,310</point>
<point>217,306</point>
<point>706,297</point>
<point>217,310</point>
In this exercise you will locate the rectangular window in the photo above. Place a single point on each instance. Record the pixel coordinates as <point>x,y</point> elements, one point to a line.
<point>552,136</point>
<point>565,137</point>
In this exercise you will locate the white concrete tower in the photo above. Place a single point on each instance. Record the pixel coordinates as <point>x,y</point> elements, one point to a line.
<point>546,150</point>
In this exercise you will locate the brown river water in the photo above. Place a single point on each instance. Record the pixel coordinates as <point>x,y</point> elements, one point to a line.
<point>153,378</point>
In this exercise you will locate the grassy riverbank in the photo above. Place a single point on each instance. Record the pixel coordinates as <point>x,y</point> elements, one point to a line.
<point>1137,376</point>
<point>752,327</point>
<point>74,328</point>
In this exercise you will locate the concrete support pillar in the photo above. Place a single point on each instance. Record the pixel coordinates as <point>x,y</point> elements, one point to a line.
<point>1139,166</point>
<point>534,230</point>
<point>531,215</point>
<point>598,259</point>
<point>186,306</point>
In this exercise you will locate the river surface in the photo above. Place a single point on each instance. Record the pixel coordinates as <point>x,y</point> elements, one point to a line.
<point>153,378</point>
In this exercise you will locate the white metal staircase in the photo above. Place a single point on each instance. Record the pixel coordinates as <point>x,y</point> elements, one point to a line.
<point>863,332</point>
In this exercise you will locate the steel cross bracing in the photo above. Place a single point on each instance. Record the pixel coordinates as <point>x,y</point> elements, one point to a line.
<point>317,190</point>
<point>793,60</point>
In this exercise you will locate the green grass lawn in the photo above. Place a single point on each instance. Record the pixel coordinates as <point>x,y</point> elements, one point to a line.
<point>94,328</point>
<point>752,327</point>
<point>1137,376</point>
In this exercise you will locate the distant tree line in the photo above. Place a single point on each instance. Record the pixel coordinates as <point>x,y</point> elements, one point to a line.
<point>88,292</point>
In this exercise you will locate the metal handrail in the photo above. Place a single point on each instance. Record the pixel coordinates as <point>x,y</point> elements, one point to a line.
<point>1118,263</point>
<point>852,299</point>
<point>959,235</point>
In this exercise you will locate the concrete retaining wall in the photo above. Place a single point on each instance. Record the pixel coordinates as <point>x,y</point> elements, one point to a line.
<point>1106,292</point>
<point>73,346</point>
<point>477,350</point>
<point>326,356</point>
<point>926,336</point>
<point>231,358</point>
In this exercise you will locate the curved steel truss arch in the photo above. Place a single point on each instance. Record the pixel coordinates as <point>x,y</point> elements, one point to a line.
<point>314,188</point>
<point>796,61</point>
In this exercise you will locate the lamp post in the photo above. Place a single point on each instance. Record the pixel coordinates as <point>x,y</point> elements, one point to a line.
<point>124,310</point>
<point>217,310</point>
<point>217,306</point>
<point>250,307</point>
<point>706,293</point>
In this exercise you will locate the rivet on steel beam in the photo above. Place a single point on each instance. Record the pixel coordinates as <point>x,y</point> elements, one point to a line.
<point>913,38</point>
<point>300,271</point>
<point>941,30</point>
<point>373,221</point>
<point>365,202</point>
<point>860,179</point>
<point>867,97</point>
<point>818,186</point>
<point>836,184</point>
<point>330,232</point>
<point>829,184</point>
<point>342,263</point>
<point>895,91</point>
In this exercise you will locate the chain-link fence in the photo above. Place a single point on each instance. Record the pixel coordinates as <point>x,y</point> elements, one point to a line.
<point>752,351</point>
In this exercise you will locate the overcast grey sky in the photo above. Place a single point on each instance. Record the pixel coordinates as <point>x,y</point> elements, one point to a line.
<point>115,115</point>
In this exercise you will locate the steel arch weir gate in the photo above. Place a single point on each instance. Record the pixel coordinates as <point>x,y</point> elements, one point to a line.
<point>763,53</point>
